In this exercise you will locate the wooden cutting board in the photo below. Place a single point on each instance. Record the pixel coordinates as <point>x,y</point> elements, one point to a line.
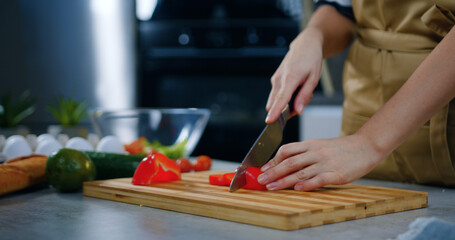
<point>285,209</point>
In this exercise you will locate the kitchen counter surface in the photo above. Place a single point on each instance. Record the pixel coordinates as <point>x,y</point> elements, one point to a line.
<point>41,213</point>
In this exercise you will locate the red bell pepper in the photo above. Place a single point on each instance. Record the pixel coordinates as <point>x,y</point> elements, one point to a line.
<point>221,179</point>
<point>156,168</point>
<point>218,179</point>
<point>252,174</point>
<point>229,176</point>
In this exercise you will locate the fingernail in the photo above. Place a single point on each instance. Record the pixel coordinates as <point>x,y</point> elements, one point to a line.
<point>267,118</point>
<point>265,168</point>
<point>300,109</point>
<point>262,178</point>
<point>272,186</point>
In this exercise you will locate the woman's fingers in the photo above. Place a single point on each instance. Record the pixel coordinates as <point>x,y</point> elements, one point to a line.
<point>280,101</point>
<point>284,152</point>
<point>318,181</point>
<point>300,67</point>
<point>288,159</point>
<point>276,85</point>
<point>314,163</point>
<point>292,165</point>
<point>305,94</point>
<point>283,87</point>
<point>292,179</point>
<point>282,96</point>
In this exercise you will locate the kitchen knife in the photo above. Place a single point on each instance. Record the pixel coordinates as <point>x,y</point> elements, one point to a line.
<point>263,148</point>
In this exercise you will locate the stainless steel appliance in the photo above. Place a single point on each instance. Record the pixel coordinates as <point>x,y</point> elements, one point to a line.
<point>82,49</point>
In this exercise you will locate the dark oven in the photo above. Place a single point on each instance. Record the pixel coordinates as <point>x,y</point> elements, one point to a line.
<point>218,55</point>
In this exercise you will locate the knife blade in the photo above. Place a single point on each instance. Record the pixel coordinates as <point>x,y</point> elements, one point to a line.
<point>265,145</point>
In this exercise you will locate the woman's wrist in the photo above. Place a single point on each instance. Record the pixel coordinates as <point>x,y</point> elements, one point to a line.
<point>309,36</point>
<point>373,145</point>
<point>333,31</point>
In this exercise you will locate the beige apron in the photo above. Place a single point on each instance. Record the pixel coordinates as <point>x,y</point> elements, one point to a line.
<point>393,38</point>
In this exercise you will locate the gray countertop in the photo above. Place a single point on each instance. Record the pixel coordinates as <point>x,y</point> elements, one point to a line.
<point>41,213</point>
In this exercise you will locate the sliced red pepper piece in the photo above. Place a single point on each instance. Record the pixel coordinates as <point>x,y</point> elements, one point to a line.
<point>156,168</point>
<point>218,179</point>
<point>221,179</point>
<point>251,175</point>
<point>229,176</point>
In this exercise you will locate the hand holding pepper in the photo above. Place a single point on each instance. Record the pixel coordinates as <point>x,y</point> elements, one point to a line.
<point>314,163</point>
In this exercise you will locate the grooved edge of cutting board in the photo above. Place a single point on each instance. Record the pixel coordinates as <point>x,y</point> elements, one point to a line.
<point>285,209</point>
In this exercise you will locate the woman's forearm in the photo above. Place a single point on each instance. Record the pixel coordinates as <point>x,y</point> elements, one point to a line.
<point>430,87</point>
<point>334,30</point>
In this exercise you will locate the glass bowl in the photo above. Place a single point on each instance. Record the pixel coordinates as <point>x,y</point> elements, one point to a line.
<point>167,125</point>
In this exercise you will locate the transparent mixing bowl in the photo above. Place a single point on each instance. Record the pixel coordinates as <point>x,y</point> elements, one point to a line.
<point>168,126</point>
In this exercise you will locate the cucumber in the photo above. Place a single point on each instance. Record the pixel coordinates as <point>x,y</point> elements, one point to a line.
<point>113,165</point>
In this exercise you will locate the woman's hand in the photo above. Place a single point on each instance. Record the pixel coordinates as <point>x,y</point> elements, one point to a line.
<point>312,164</point>
<point>327,34</point>
<point>300,67</point>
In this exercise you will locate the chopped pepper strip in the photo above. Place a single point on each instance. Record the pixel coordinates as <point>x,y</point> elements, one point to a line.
<point>229,176</point>
<point>156,168</point>
<point>251,174</point>
<point>219,179</point>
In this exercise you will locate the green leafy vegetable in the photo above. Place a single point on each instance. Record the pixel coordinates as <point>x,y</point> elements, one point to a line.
<point>174,151</point>
<point>69,112</point>
<point>12,113</point>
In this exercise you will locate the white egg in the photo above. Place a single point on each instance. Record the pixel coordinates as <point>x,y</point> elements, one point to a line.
<point>110,144</point>
<point>48,146</point>
<point>2,142</point>
<point>79,143</point>
<point>2,158</point>
<point>93,139</point>
<point>16,146</point>
<point>44,137</point>
<point>62,139</point>
<point>32,140</point>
